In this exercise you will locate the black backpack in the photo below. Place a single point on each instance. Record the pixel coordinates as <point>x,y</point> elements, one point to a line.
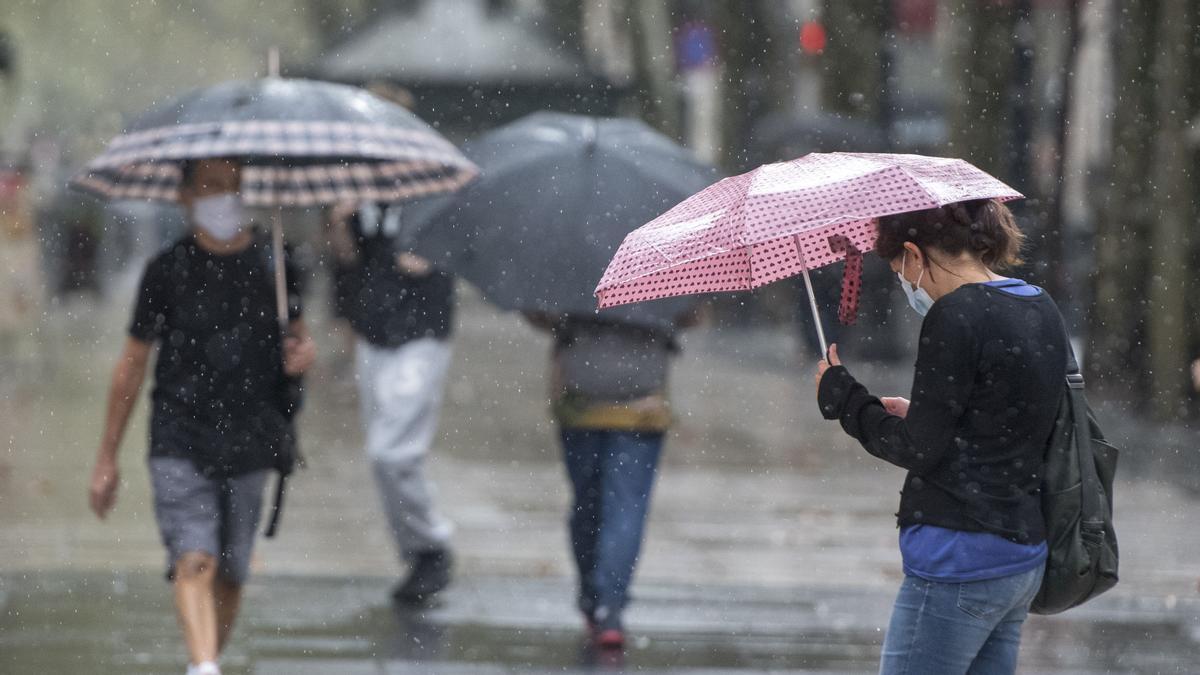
<point>1077,503</point>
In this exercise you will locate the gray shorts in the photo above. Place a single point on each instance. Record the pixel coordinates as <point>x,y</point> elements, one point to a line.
<point>218,516</point>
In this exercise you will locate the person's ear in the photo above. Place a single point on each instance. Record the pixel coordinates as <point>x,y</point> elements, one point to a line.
<point>915,255</point>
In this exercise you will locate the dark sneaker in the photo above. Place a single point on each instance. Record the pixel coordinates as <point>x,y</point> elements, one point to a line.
<point>430,574</point>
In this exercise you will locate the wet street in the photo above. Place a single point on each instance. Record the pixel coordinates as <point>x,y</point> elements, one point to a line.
<point>772,545</point>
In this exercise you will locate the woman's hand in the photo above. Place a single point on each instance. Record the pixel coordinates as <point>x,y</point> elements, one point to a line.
<point>895,405</point>
<point>825,365</point>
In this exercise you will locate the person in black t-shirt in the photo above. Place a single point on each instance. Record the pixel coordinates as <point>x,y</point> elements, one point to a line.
<point>989,378</point>
<point>216,423</point>
<point>401,310</point>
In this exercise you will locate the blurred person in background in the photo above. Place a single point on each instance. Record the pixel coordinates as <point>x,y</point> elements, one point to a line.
<point>401,311</point>
<point>608,389</point>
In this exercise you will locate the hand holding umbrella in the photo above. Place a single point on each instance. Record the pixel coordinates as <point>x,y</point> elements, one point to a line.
<point>826,363</point>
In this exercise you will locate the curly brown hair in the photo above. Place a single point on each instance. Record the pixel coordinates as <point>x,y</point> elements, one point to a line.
<point>983,227</point>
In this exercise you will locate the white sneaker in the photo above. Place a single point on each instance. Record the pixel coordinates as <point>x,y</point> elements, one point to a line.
<point>206,668</point>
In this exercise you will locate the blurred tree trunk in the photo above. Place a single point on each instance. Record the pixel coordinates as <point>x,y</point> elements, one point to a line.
<point>1118,360</point>
<point>566,20</point>
<point>1173,203</point>
<point>981,58</point>
<point>755,63</point>
<point>1193,265</point>
<point>851,65</point>
<point>1068,243</point>
<point>654,64</point>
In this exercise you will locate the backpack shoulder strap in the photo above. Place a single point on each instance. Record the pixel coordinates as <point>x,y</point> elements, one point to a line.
<point>277,506</point>
<point>1091,499</point>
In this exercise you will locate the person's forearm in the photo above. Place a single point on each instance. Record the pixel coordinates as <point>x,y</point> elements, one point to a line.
<point>865,419</point>
<point>122,396</point>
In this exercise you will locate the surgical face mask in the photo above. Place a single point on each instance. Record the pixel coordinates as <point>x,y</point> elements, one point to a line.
<point>918,298</point>
<point>221,216</point>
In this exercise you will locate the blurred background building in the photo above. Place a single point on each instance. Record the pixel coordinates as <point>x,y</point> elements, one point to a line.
<point>1087,106</point>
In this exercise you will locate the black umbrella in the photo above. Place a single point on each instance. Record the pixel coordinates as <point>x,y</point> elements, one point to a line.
<point>556,196</point>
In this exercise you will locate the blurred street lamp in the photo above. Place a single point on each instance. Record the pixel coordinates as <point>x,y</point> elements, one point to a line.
<point>812,38</point>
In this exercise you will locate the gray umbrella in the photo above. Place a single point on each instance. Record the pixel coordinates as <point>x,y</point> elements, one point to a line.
<point>556,196</point>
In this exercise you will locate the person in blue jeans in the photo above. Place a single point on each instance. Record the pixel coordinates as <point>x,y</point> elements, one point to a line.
<point>608,393</point>
<point>991,360</point>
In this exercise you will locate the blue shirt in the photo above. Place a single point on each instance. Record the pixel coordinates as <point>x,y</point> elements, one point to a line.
<point>953,556</point>
<point>1015,287</point>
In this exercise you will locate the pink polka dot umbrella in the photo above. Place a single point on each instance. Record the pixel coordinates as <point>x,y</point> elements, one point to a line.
<point>784,219</point>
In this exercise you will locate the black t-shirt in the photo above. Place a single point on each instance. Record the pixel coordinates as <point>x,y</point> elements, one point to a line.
<point>216,397</point>
<point>384,305</point>
<point>990,372</point>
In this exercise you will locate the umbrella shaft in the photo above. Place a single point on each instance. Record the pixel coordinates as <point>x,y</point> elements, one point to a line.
<point>812,300</point>
<point>281,308</point>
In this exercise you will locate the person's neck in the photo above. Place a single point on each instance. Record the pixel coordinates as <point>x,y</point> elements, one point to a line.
<point>211,244</point>
<point>947,277</point>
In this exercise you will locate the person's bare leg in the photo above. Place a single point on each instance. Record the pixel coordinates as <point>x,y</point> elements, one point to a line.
<point>195,573</point>
<point>229,600</point>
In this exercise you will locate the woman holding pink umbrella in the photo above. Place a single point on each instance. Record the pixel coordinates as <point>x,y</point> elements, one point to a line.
<point>990,362</point>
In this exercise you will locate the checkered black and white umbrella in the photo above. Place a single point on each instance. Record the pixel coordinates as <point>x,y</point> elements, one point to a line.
<point>302,143</point>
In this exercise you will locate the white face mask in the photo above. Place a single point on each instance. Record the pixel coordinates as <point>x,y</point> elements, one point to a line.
<point>918,298</point>
<point>221,216</point>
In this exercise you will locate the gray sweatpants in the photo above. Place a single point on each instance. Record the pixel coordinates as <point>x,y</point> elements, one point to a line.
<point>400,393</point>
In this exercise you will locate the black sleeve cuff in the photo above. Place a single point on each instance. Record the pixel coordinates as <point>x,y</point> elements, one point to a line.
<point>836,387</point>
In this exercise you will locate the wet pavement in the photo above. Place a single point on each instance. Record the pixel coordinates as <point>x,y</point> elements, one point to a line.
<point>122,622</point>
<point>771,547</point>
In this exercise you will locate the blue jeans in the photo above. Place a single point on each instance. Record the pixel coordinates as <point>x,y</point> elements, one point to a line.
<point>612,474</point>
<point>958,628</point>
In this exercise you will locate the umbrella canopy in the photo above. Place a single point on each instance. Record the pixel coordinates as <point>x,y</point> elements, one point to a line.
<point>556,196</point>
<point>783,219</point>
<point>303,143</point>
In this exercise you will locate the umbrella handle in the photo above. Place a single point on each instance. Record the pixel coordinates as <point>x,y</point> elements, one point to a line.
<point>812,300</point>
<point>281,301</point>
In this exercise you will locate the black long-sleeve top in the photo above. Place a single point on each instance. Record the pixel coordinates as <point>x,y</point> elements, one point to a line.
<point>989,377</point>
